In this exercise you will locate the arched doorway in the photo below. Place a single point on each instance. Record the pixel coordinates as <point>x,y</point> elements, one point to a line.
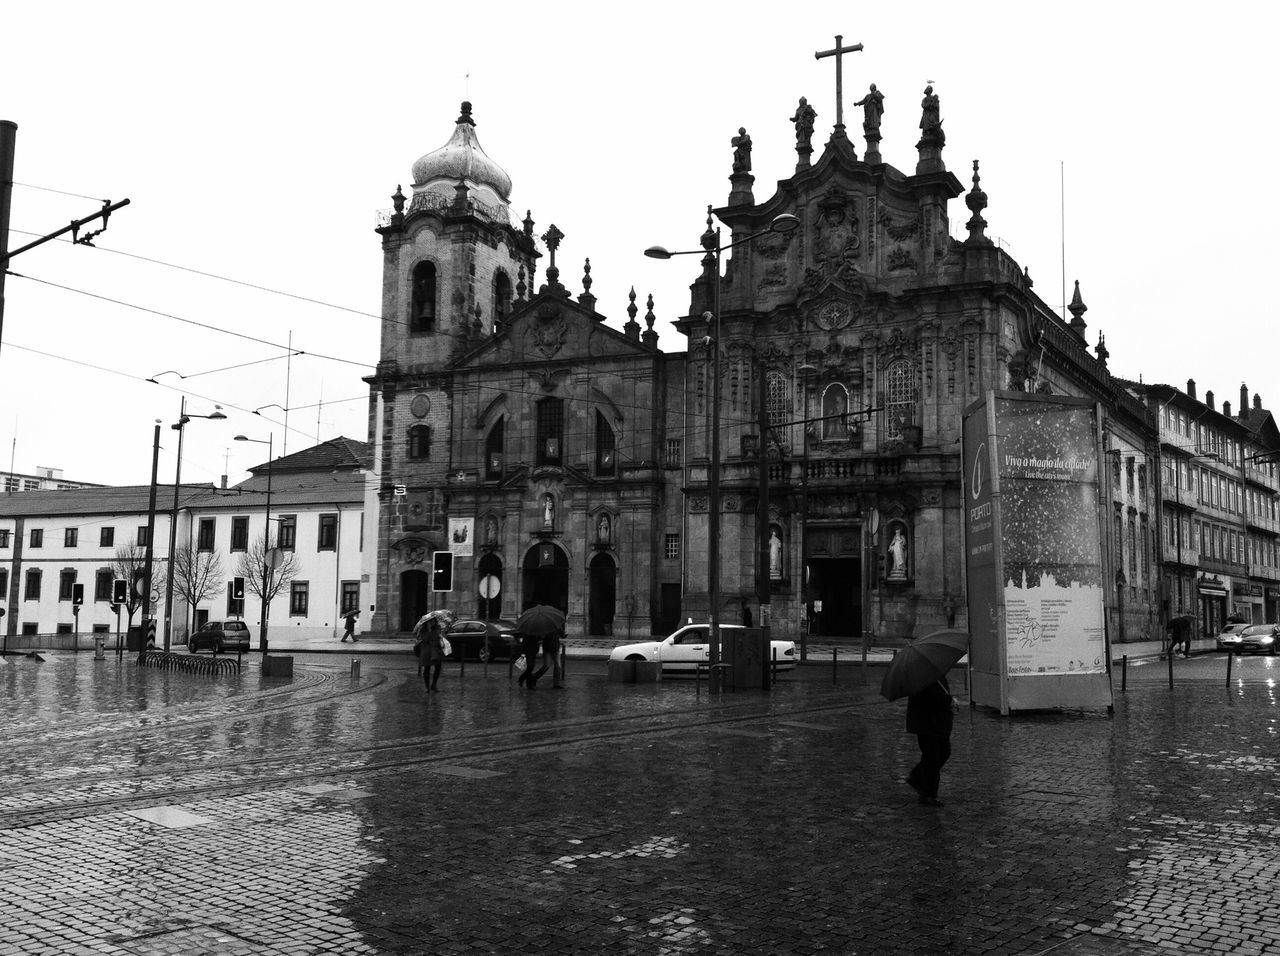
<point>546,576</point>
<point>602,601</point>
<point>489,590</point>
<point>415,593</point>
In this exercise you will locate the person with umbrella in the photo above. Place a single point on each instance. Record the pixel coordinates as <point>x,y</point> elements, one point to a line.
<point>541,623</point>
<point>919,673</point>
<point>430,648</point>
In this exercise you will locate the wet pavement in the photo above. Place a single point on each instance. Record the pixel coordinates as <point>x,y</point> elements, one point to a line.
<point>148,812</point>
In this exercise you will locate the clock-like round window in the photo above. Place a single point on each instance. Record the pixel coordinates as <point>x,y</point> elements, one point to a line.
<point>833,315</point>
<point>420,406</point>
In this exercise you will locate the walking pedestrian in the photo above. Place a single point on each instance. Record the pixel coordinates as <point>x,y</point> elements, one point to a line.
<point>929,717</point>
<point>430,650</point>
<point>550,658</point>
<point>350,629</point>
<point>529,651</point>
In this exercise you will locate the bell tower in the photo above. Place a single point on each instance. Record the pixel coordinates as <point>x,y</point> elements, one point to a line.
<point>453,266</point>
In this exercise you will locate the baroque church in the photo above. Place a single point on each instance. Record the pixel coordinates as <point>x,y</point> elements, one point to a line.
<point>565,459</point>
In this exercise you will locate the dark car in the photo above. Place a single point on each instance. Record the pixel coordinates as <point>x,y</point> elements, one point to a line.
<point>1260,639</point>
<point>484,640</point>
<point>220,637</point>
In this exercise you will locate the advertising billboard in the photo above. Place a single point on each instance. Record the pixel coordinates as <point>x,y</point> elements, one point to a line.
<point>1034,552</point>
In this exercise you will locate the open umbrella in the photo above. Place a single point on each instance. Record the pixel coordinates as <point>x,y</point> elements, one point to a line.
<point>922,662</point>
<point>444,617</point>
<point>540,620</point>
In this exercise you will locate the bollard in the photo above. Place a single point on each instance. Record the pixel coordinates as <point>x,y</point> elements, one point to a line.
<point>1124,673</point>
<point>833,666</point>
<point>1170,658</point>
<point>1230,657</point>
<point>563,658</point>
<point>355,667</point>
<point>99,648</point>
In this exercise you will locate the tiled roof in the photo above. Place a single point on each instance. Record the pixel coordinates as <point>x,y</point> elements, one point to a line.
<point>123,499</point>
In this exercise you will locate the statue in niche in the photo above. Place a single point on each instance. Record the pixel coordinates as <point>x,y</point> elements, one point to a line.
<point>548,511</point>
<point>898,556</point>
<point>741,151</point>
<point>603,530</point>
<point>805,115</point>
<point>775,555</point>
<point>872,109</point>
<point>491,530</point>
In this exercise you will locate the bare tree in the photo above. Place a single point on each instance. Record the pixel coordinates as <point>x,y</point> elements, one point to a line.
<point>130,562</point>
<point>250,567</point>
<point>197,575</point>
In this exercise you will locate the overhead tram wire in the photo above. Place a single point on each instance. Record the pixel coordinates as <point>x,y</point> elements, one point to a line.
<point>179,318</point>
<point>214,275</point>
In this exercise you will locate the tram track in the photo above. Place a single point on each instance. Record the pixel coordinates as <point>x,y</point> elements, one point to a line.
<point>91,793</point>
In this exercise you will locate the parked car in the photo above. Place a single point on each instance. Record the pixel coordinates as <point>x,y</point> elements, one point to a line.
<point>220,637</point>
<point>1229,639</point>
<point>690,646</point>
<point>1260,639</point>
<point>484,640</point>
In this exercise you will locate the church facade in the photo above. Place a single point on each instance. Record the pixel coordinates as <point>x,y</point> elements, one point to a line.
<point>566,460</point>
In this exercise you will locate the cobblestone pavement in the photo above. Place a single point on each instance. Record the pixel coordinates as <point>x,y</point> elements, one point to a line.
<point>148,812</point>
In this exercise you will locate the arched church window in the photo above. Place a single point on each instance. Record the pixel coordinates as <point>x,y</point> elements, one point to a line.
<point>419,442</point>
<point>493,451</point>
<point>501,298</point>
<point>422,302</point>
<point>777,398</point>
<point>900,397</point>
<point>605,446</point>
<point>835,409</point>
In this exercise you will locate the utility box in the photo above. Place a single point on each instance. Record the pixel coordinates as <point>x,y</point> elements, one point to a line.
<point>622,672</point>
<point>276,666</point>
<point>744,650</point>
<point>136,639</point>
<point>648,672</point>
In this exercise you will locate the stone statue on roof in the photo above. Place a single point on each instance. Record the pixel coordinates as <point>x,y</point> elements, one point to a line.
<point>741,151</point>
<point>805,115</point>
<point>872,109</point>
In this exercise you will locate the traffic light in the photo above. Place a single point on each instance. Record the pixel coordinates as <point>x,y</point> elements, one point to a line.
<point>77,594</point>
<point>442,571</point>
<point>237,588</point>
<point>120,591</point>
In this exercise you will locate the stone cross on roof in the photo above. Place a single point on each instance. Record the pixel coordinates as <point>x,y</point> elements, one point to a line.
<point>839,53</point>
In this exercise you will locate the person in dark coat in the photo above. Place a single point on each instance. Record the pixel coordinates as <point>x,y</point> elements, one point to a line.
<point>929,717</point>
<point>528,648</point>
<point>431,653</point>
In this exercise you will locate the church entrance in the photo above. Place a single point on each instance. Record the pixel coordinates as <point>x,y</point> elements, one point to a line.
<point>835,597</point>
<point>415,593</point>
<point>603,597</point>
<point>546,576</point>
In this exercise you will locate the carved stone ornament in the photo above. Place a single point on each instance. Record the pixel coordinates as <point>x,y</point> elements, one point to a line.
<point>411,551</point>
<point>899,232</point>
<point>420,406</point>
<point>551,331</point>
<point>837,242</point>
<point>900,260</point>
<point>832,316</point>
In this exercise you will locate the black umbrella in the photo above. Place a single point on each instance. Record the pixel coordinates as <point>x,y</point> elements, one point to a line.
<point>540,620</point>
<point>922,662</point>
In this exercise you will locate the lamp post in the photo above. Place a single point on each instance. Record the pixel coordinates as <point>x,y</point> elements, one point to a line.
<point>266,544</point>
<point>712,250</point>
<point>183,418</point>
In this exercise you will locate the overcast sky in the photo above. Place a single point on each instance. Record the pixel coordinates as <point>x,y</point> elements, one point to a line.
<point>257,142</point>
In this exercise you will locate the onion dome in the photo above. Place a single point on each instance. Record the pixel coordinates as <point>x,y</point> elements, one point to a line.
<point>461,160</point>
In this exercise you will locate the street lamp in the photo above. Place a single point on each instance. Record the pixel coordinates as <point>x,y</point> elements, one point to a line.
<point>183,418</point>
<point>712,250</point>
<point>266,544</point>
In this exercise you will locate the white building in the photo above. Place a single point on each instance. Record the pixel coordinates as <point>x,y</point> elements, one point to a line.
<point>52,541</point>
